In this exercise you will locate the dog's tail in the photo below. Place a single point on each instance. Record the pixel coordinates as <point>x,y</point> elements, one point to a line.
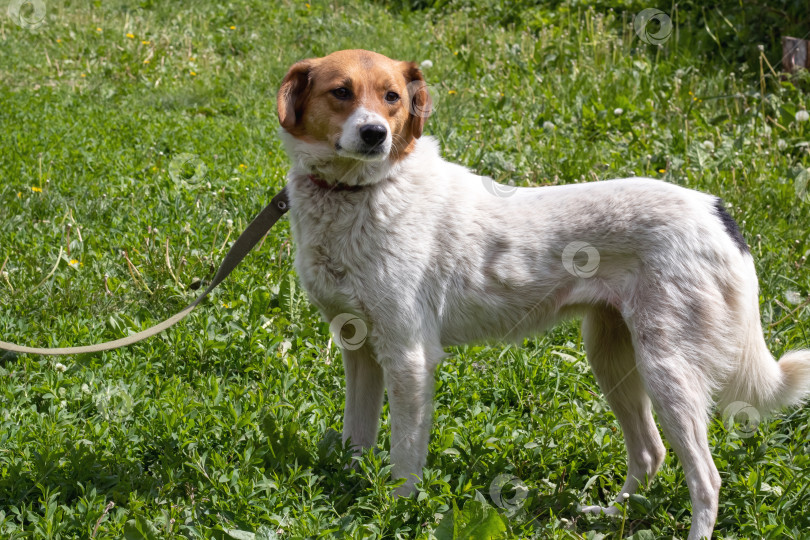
<point>758,380</point>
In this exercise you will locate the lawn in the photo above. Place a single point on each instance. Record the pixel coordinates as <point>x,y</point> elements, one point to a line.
<point>139,138</point>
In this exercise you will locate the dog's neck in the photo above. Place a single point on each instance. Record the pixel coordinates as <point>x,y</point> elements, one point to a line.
<point>336,186</point>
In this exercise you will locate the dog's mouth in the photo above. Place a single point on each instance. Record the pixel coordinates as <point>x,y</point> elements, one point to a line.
<point>374,153</point>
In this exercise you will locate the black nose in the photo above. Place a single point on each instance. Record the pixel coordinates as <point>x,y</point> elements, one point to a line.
<point>373,134</point>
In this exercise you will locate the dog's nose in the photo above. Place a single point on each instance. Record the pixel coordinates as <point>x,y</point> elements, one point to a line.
<point>373,134</point>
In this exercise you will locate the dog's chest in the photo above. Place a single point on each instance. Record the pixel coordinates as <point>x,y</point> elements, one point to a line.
<point>335,254</point>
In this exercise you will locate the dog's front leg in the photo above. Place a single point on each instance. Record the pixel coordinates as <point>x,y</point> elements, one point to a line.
<point>409,381</point>
<point>364,397</point>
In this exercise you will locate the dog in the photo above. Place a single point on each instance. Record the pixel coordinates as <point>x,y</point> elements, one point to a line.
<point>423,254</point>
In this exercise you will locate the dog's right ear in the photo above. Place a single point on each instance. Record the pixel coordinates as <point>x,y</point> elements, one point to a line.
<point>292,94</point>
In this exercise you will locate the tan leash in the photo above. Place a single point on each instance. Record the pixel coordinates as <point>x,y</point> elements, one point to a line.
<point>260,225</point>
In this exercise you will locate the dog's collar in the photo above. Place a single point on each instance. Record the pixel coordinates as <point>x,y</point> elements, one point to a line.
<point>323,184</point>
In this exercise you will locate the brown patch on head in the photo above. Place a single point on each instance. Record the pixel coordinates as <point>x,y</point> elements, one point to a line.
<point>309,109</point>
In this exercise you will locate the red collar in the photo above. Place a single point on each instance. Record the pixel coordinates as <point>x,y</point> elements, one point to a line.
<point>321,183</point>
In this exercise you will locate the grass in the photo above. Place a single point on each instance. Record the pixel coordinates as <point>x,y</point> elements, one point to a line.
<point>226,426</point>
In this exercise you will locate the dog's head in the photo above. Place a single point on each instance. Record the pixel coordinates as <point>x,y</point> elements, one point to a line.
<point>352,112</point>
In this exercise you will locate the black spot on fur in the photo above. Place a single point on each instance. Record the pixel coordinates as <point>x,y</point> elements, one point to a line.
<point>732,228</point>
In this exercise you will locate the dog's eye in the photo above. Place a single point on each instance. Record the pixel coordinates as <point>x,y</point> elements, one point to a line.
<point>391,97</point>
<point>342,93</point>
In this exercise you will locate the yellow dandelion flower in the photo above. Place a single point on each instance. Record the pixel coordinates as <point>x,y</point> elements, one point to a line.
<point>232,27</point>
<point>82,75</point>
<point>59,41</point>
<point>131,36</point>
<point>452,92</point>
<point>662,170</point>
<point>145,42</point>
<point>154,168</point>
<point>19,194</point>
<point>242,166</point>
<point>225,305</point>
<point>36,189</point>
<point>308,6</point>
<point>98,29</point>
<point>74,262</point>
<point>193,73</point>
<point>146,61</point>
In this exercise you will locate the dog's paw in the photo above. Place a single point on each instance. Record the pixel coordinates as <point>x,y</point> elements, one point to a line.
<point>611,511</point>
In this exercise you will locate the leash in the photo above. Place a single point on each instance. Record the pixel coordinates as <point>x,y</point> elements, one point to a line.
<point>260,226</point>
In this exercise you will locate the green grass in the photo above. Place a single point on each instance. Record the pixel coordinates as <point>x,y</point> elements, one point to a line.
<point>227,422</point>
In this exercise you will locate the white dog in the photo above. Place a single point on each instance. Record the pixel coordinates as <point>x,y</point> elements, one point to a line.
<point>428,255</point>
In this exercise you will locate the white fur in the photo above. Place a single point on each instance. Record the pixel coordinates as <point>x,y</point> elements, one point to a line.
<point>429,255</point>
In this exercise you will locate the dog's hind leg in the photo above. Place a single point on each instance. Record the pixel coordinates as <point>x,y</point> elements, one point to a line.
<point>681,403</point>
<point>364,397</point>
<point>674,361</point>
<point>609,348</point>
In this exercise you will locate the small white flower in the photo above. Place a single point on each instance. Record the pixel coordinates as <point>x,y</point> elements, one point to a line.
<point>426,64</point>
<point>802,116</point>
<point>625,496</point>
<point>781,144</point>
<point>793,297</point>
<point>229,223</point>
<point>708,145</point>
<point>59,366</point>
<point>549,126</point>
<point>618,111</point>
<point>85,388</point>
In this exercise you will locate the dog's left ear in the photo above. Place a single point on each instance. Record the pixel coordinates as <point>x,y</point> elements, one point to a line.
<point>420,104</point>
<point>292,94</point>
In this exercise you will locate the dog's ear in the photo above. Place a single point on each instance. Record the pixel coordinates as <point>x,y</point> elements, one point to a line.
<point>292,94</point>
<point>420,104</point>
